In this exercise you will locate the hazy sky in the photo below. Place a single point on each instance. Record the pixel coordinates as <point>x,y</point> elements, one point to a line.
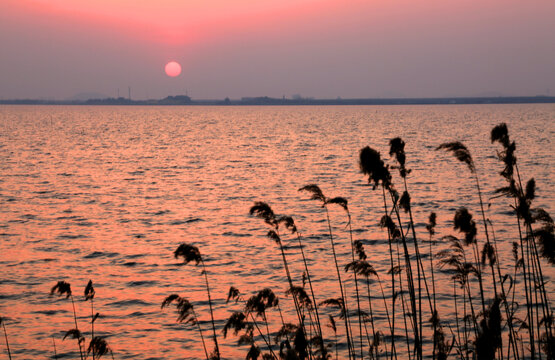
<point>236,48</point>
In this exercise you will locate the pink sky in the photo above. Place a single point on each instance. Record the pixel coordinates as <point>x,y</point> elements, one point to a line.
<point>56,48</point>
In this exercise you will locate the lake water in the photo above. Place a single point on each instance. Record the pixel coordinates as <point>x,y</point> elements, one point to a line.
<point>108,193</point>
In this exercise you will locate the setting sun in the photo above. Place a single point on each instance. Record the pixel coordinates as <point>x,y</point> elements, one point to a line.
<point>173,69</point>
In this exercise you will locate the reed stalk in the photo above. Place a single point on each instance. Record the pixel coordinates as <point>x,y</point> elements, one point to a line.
<point>531,264</point>
<point>256,304</point>
<point>410,277</point>
<point>191,253</point>
<point>263,211</point>
<point>343,203</point>
<point>6,337</point>
<point>317,194</point>
<point>89,295</point>
<point>290,224</point>
<point>186,313</point>
<point>54,345</point>
<point>64,288</point>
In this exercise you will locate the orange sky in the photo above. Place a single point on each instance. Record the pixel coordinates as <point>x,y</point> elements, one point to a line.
<point>321,48</point>
<point>177,22</point>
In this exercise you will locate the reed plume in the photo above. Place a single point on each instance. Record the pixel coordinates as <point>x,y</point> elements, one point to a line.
<point>263,211</point>
<point>545,236</point>
<point>233,294</point>
<point>260,303</point>
<point>238,320</point>
<point>61,288</point>
<point>289,224</point>
<point>185,314</point>
<point>89,295</point>
<point>191,253</point>
<point>529,250</point>
<point>317,194</point>
<point>75,334</point>
<point>64,288</point>
<point>460,152</point>
<point>343,203</point>
<point>372,165</point>
<point>99,347</point>
<point>489,333</point>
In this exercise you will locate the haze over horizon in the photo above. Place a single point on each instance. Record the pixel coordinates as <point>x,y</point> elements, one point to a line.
<point>59,48</point>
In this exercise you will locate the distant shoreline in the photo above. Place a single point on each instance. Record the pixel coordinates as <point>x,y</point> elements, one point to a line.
<point>264,100</point>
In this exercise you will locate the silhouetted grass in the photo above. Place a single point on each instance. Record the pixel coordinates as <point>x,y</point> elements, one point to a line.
<point>98,346</point>
<point>63,288</point>
<point>468,332</point>
<point>317,194</point>
<point>191,253</point>
<point>487,321</point>
<point>186,313</point>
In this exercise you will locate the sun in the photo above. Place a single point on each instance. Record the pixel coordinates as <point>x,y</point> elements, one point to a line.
<point>173,69</point>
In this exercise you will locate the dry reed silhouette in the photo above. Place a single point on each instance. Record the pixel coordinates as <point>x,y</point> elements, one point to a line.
<point>191,253</point>
<point>99,347</point>
<point>472,332</point>
<point>186,314</point>
<point>533,243</point>
<point>263,211</point>
<point>373,166</point>
<point>489,249</point>
<point>256,305</point>
<point>89,295</point>
<point>63,288</point>
<point>317,194</point>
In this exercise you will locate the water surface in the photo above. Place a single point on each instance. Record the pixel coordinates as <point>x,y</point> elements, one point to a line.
<point>107,193</point>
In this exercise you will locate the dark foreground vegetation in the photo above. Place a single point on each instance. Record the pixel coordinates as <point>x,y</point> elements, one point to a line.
<point>500,307</point>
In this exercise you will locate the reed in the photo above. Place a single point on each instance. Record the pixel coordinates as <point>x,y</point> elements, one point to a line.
<point>366,270</point>
<point>482,320</point>
<point>263,211</point>
<point>317,194</point>
<point>487,321</point>
<point>343,203</point>
<point>186,314</point>
<point>99,347</point>
<point>373,166</point>
<point>534,243</point>
<point>289,224</point>
<point>463,154</point>
<point>63,288</point>
<point>89,295</point>
<point>191,253</point>
<point>238,319</point>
